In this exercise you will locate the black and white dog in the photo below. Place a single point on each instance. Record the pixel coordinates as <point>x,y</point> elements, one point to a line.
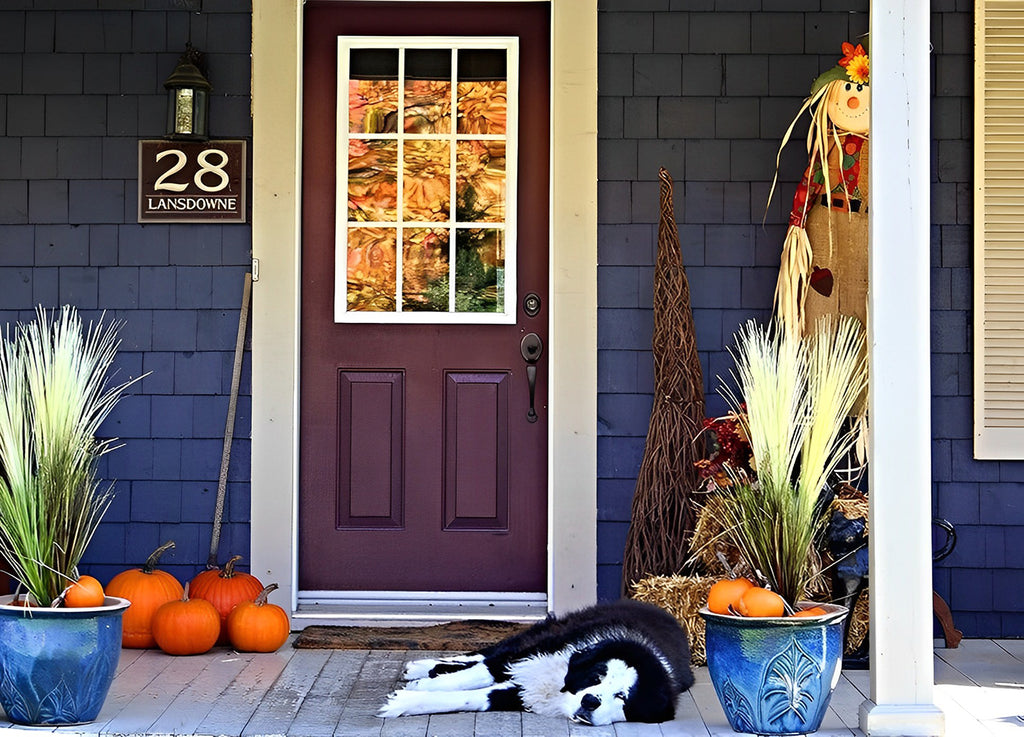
<point>613,662</point>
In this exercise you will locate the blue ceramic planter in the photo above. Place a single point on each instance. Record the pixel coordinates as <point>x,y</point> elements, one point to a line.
<point>775,675</point>
<point>56,665</point>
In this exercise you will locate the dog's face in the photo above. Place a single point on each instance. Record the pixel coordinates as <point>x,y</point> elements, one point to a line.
<point>596,692</point>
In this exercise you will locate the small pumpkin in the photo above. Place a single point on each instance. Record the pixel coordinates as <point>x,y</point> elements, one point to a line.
<point>147,588</point>
<point>760,602</point>
<point>86,591</point>
<point>224,588</point>
<point>258,626</point>
<point>725,593</point>
<point>186,626</point>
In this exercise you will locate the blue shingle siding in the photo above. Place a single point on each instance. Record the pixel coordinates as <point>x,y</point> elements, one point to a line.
<point>745,70</point>
<point>78,89</point>
<point>705,88</point>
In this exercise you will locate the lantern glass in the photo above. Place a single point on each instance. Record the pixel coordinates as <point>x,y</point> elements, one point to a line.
<point>187,113</point>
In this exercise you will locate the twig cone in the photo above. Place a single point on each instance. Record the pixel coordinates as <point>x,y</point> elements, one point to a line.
<point>663,511</point>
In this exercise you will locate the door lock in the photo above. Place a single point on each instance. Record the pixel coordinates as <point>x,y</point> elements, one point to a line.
<point>531,304</point>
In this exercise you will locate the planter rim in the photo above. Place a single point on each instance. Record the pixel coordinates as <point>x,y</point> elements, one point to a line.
<point>833,613</point>
<point>111,605</point>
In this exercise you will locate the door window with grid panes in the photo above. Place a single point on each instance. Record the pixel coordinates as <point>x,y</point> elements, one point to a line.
<point>426,180</point>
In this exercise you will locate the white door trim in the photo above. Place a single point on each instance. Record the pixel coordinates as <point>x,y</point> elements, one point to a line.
<point>277,146</point>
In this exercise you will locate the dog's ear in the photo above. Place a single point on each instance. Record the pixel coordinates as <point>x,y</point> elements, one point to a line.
<point>586,668</point>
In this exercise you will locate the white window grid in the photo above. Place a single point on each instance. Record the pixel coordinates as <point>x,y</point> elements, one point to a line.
<point>506,314</point>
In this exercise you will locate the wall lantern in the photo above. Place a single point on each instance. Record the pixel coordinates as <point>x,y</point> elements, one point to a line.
<point>188,98</point>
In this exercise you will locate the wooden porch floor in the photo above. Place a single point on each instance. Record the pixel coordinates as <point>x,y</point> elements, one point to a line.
<point>316,693</point>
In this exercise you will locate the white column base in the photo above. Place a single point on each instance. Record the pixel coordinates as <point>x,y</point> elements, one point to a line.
<point>902,720</point>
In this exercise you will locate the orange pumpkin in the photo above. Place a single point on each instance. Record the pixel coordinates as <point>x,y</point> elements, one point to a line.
<point>814,611</point>
<point>726,593</point>
<point>186,626</point>
<point>224,588</point>
<point>759,602</point>
<point>148,589</point>
<point>86,591</point>
<point>256,626</point>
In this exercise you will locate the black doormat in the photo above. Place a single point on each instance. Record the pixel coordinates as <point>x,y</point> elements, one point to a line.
<point>463,636</point>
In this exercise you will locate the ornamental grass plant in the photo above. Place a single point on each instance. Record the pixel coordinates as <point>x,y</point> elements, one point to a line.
<point>794,401</point>
<point>55,395</point>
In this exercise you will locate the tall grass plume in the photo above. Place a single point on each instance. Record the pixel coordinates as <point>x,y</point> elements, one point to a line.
<point>55,396</point>
<point>794,397</point>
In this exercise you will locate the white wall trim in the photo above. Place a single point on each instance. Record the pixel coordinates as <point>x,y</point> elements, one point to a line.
<point>277,105</point>
<point>902,669</point>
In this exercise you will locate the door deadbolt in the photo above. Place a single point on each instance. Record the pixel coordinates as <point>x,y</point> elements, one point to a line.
<point>531,304</point>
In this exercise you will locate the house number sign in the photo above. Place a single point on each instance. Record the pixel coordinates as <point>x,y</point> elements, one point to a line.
<point>191,181</point>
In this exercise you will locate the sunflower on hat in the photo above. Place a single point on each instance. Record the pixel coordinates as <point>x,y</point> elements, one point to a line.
<point>855,61</point>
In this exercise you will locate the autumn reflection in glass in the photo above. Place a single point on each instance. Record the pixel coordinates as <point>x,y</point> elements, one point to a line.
<point>426,184</point>
<point>372,180</point>
<point>479,270</point>
<point>372,105</point>
<point>482,107</point>
<point>428,106</point>
<point>371,269</point>
<point>480,181</point>
<point>430,199</point>
<point>425,270</point>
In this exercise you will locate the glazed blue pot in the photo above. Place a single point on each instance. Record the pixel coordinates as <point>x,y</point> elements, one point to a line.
<point>775,675</point>
<point>56,665</point>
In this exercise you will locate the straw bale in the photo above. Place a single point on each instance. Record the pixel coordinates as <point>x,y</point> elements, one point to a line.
<point>709,536</point>
<point>851,503</point>
<point>858,630</point>
<point>682,597</point>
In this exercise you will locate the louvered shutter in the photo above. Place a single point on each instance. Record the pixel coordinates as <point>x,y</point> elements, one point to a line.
<point>999,230</point>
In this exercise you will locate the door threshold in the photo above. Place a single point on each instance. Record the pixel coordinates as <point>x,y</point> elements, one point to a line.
<point>409,608</point>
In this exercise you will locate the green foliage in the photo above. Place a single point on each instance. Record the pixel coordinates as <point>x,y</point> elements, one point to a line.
<point>476,284</point>
<point>55,397</point>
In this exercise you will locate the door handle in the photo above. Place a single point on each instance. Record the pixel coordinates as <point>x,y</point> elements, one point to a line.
<point>531,347</point>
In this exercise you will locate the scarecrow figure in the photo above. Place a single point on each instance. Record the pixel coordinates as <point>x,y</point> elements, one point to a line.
<point>824,258</point>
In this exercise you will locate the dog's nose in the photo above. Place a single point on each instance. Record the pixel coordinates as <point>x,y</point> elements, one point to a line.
<point>590,702</point>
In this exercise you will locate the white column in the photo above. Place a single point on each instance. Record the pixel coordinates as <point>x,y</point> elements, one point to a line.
<point>902,672</point>
<point>276,130</point>
<point>572,494</point>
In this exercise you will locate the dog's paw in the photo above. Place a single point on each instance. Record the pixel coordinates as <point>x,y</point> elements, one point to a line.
<point>405,702</point>
<point>393,707</point>
<point>402,703</point>
<point>428,667</point>
<point>417,669</point>
<point>466,678</point>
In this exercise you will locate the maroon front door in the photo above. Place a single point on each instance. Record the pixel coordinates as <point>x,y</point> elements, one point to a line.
<point>424,297</point>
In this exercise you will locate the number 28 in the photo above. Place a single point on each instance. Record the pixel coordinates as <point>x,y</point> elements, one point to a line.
<point>206,167</point>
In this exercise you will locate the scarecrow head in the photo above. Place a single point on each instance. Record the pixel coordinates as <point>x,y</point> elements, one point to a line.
<point>846,91</point>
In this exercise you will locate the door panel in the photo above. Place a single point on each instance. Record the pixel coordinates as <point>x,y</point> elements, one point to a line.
<point>369,489</point>
<point>476,464</point>
<point>420,468</point>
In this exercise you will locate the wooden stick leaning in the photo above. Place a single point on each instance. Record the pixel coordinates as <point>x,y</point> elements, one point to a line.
<point>229,426</point>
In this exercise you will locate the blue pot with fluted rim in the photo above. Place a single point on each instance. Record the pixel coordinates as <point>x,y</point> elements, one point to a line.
<point>775,675</point>
<point>57,664</point>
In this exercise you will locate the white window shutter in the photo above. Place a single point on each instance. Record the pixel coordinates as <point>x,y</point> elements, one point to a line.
<point>999,230</point>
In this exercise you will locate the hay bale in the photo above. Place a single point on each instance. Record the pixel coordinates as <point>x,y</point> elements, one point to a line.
<point>709,539</point>
<point>682,597</point>
<point>858,622</point>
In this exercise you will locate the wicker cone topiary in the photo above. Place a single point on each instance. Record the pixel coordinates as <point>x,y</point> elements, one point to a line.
<point>663,513</point>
